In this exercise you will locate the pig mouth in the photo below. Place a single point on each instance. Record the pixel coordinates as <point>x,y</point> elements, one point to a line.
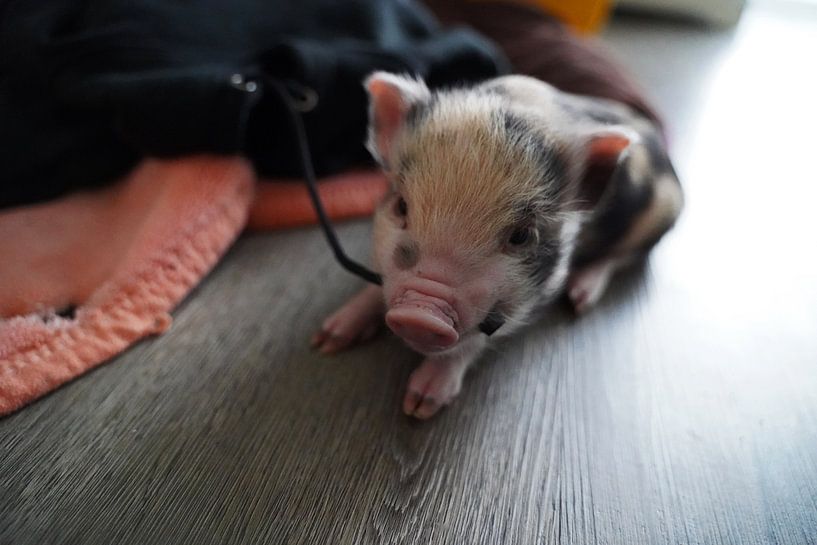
<point>437,308</point>
<point>427,324</point>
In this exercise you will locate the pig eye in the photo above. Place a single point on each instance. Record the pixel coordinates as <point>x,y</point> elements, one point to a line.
<point>401,208</point>
<point>520,236</point>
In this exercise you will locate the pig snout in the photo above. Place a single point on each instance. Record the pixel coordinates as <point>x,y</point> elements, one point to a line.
<point>425,322</point>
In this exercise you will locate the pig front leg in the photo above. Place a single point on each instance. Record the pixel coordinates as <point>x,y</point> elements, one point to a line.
<point>438,379</point>
<point>355,322</point>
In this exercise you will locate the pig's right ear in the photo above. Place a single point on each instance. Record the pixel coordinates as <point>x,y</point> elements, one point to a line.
<point>391,97</point>
<point>603,155</point>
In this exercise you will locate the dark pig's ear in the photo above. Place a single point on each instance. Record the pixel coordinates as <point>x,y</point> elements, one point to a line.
<point>391,97</point>
<point>605,153</point>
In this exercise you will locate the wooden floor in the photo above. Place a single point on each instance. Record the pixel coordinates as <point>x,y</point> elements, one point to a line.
<point>682,411</point>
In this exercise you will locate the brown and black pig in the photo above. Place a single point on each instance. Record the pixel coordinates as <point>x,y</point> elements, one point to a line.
<point>502,196</point>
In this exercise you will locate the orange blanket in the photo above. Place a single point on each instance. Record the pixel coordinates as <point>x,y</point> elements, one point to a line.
<point>85,276</point>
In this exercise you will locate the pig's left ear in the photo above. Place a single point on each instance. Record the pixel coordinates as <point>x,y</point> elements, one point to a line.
<point>391,97</point>
<point>603,155</point>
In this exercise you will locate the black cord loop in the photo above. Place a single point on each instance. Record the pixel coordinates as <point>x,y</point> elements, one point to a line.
<point>307,99</point>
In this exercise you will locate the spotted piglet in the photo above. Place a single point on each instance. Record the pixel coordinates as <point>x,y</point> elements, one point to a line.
<point>501,197</point>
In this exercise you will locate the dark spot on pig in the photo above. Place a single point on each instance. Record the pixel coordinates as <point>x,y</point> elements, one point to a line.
<point>414,115</point>
<point>419,112</point>
<point>552,165</point>
<point>557,170</point>
<point>542,260</point>
<point>515,126</point>
<point>406,255</point>
<point>628,199</point>
<point>493,321</point>
<point>657,152</point>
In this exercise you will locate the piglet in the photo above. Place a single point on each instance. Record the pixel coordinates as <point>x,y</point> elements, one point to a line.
<point>502,197</point>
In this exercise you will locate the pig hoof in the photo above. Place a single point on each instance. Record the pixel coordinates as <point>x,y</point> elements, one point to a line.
<point>581,298</point>
<point>334,337</point>
<point>586,286</point>
<point>355,322</point>
<point>431,387</point>
<point>420,406</point>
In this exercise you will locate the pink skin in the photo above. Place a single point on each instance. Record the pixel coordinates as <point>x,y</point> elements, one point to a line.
<point>423,322</point>
<point>437,381</point>
<point>422,310</point>
<point>439,301</point>
<point>442,297</point>
<point>437,316</point>
<point>355,322</point>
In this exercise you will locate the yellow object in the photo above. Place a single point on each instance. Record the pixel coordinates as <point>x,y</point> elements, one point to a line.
<point>582,15</point>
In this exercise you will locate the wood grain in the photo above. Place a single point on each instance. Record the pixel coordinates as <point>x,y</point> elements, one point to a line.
<point>683,410</point>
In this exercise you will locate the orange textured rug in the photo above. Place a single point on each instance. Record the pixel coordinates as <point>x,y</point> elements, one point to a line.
<point>84,277</point>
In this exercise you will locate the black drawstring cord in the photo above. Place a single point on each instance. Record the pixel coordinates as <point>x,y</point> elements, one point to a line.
<point>309,175</point>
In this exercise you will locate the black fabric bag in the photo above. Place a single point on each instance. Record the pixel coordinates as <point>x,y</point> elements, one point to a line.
<point>88,87</point>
